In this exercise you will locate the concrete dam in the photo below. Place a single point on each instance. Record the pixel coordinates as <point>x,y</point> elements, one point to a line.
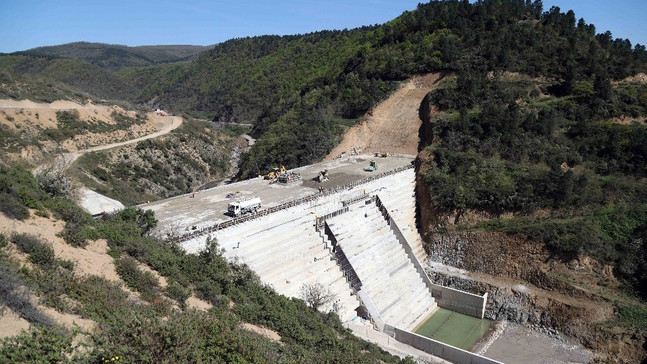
<point>354,234</point>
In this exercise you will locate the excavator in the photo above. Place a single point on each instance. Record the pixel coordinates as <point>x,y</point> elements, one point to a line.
<point>274,174</point>
<point>323,176</point>
<point>372,167</point>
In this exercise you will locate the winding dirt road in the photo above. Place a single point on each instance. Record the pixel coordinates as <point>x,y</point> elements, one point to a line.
<point>173,123</point>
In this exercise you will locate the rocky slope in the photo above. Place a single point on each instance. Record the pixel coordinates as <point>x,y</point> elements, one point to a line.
<point>526,284</point>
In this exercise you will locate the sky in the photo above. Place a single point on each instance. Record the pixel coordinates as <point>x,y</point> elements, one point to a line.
<point>27,24</point>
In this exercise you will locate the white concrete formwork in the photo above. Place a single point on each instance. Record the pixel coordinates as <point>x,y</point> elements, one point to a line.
<point>286,252</point>
<point>387,275</point>
<point>399,199</point>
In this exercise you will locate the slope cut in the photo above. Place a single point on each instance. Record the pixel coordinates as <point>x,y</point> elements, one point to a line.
<point>392,126</point>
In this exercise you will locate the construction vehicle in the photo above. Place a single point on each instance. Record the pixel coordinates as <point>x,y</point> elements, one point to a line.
<point>372,167</point>
<point>273,174</point>
<point>289,177</point>
<point>323,176</point>
<point>244,206</point>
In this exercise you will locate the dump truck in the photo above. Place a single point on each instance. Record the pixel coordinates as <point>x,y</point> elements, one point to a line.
<point>241,207</point>
<point>372,167</point>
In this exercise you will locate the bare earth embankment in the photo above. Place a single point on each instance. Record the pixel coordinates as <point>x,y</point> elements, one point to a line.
<point>393,125</point>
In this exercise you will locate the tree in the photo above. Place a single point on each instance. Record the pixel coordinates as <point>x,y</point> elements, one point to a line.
<point>53,180</point>
<point>316,295</point>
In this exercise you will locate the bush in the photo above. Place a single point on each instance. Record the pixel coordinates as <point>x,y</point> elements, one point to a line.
<point>41,254</point>
<point>69,211</point>
<point>3,240</point>
<point>14,296</point>
<point>178,292</point>
<point>141,281</point>
<point>12,207</point>
<point>36,346</point>
<point>53,180</point>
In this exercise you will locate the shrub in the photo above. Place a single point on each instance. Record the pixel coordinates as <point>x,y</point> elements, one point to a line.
<point>53,180</point>
<point>40,253</point>
<point>141,281</point>
<point>178,292</point>
<point>3,240</point>
<point>12,207</point>
<point>36,346</point>
<point>69,211</point>
<point>15,296</point>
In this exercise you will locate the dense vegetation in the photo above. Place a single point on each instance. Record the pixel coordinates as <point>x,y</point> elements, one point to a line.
<point>48,80</point>
<point>301,91</point>
<point>570,142</point>
<point>114,57</point>
<point>297,92</point>
<point>158,326</point>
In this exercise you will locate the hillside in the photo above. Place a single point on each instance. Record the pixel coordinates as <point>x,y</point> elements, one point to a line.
<point>302,92</point>
<point>531,177</point>
<point>539,188</point>
<point>47,80</point>
<point>113,57</point>
<point>297,84</point>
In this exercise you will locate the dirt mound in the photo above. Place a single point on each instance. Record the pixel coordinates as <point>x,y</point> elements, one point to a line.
<point>393,125</point>
<point>638,78</point>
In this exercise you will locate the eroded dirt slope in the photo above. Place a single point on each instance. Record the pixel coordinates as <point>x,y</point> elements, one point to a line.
<point>393,125</point>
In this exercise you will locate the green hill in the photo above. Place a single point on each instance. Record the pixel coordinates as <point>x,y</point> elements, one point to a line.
<point>299,91</point>
<point>113,57</point>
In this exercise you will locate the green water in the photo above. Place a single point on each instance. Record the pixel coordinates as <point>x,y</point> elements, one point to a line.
<point>454,328</point>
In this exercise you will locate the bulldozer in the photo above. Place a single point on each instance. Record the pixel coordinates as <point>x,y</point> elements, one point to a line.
<point>372,167</point>
<point>323,176</point>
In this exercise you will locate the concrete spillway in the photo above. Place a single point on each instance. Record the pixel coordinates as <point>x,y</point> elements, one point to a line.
<point>287,252</point>
<point>299,238</point>
<point>387,274</point>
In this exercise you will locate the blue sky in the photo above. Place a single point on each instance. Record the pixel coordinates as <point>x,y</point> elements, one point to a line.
<point>31,23</point>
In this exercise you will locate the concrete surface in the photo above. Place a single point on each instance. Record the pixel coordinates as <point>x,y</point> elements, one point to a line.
<point>179,214</point>
<point>96,203</point>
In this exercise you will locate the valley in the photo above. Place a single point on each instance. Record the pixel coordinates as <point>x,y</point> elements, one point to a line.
<point>482,159</point>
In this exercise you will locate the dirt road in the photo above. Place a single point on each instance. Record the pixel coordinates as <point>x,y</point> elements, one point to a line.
<point>173,123</point>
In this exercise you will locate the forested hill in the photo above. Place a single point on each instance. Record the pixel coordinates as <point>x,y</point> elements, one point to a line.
<point>114,57</point>
<point>300,91</point>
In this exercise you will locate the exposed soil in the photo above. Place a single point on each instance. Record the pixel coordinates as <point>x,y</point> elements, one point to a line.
<point>270,334</point>
<point>93,259</point>
<point>521,344</point>
<point>393,125</point>
<point>11,324</point>
<point>90,260</point>
<point>29,119</point>
<point>637,78</point>
<point>198,304</point>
